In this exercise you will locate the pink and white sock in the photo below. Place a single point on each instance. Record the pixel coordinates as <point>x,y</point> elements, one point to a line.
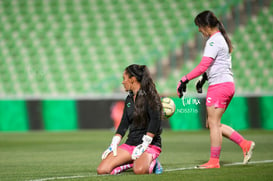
<point>121,168</point>
<point>151,168</point>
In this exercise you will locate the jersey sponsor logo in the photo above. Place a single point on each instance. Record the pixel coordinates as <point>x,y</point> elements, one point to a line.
<point>211,43</point>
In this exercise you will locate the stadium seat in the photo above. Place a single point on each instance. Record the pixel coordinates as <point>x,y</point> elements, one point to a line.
<point>73,46</point>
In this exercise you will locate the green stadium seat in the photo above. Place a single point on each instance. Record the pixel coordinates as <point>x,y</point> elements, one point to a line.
<point>109,35</point>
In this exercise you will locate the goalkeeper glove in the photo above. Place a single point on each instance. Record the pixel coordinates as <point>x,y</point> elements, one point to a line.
<point>113,147</point>
<point>147,140</point>
<point>200,82</point>
<point>182,86</point>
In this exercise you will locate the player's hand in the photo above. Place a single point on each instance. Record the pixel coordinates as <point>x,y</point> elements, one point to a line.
<point>200,82</point>
<point>182,86</point>
<point>112,148</point>
<point>138,151</point>
<point>141,148</point>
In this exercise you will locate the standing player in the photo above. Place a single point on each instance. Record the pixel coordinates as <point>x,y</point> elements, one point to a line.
<point>142,116</point>
<point>216,62</point>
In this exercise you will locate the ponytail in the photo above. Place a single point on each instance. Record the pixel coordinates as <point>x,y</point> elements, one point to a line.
<point>224,33</point>
<point>146,81</point>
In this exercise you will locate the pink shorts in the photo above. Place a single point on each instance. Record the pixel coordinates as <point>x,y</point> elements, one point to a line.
<point>152,149</point>
<point>220,95</point>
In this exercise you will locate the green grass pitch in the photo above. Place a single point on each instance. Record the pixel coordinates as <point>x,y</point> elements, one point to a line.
<point>43,156</point>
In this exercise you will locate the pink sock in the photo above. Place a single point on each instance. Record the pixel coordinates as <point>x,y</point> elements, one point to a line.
<point>121,168</point>
<point>215,152</point>
<point>236,137</point>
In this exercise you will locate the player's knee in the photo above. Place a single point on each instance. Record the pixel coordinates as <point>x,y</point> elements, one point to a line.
<point>103,170</point>
<point>214,123</point>
<point>140,170</point>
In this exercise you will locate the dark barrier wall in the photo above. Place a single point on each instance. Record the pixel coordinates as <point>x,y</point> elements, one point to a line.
<point>94,114</point>
<point>61,115</point>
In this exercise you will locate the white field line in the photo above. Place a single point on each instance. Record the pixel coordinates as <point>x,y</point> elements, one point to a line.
<point>67,177</point>
<point>224,165</point>
<point>56,178</point>
<point>252,162</point>
<point>167,170</point>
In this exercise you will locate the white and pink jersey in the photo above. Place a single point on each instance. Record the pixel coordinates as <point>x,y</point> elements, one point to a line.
<point>220,69</point>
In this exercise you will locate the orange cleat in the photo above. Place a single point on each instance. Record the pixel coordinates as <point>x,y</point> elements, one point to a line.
<point>212,163</point>
<point>248,147</point>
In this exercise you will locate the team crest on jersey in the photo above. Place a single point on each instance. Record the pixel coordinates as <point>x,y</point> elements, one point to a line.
<point>128,104</point>
<point>211,43</point>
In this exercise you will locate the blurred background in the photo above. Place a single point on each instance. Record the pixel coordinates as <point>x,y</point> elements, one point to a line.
<point>61,61</point>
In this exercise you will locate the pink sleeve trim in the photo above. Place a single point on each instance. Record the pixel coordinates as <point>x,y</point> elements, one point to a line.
<point>200,68</point>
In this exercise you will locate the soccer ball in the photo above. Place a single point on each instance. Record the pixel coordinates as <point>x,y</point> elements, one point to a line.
<point>168,106</point>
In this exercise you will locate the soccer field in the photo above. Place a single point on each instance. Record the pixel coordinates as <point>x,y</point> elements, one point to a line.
<point>44,156</point>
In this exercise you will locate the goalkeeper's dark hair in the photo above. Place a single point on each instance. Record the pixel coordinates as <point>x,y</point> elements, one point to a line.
<point>147,92</point>
<point>208,18</point>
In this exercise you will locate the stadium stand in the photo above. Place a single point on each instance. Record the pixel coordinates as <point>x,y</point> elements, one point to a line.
<point>253,45</point>
<point>68,48</point>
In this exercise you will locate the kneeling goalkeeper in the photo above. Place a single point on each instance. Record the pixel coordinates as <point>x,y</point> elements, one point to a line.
<point>142,116</point>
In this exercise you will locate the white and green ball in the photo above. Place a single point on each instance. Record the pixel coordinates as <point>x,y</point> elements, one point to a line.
<point>168,106</point>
